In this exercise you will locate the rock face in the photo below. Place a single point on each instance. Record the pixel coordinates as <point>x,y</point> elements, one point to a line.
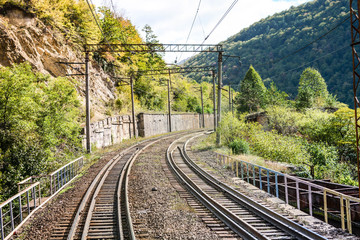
<point>24,38</point>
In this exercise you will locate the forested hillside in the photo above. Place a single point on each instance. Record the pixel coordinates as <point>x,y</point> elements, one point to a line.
<point>267,44</point>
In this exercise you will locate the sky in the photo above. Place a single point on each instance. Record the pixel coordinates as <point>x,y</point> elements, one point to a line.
<point>171,20</point>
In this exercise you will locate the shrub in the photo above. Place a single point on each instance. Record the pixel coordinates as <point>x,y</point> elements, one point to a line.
<point>38,123</point>
<point>239,146</point>
<point>274,146</point>
<point>232,128</point>
<point>283,119</point>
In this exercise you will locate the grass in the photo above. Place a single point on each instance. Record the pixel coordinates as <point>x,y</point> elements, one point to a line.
<point>66,189</point>
<point>208,143</point>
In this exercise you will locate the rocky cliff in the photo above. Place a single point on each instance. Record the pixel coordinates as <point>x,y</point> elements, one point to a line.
<point>24,38</point>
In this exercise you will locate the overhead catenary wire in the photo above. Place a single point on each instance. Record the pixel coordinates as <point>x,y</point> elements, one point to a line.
<point>312,60</point>
<point>192,25</point>
<point>98,24</point>
<point>221,19</point>
<point>218,23</point>
<point>95,18</point>
<point>202,27</point>
<point>310,43</point>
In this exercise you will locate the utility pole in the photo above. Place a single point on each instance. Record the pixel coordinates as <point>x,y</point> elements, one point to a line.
<point>219,97</point>
<point>229,98</point>
<point>169,102</point>
<point>87,97</point>
<point>232,103</point>
<point>202,107</point>
<point>79,72</point>
<point>355,40</point>
<point>133,105</point>
<point>214,99</point>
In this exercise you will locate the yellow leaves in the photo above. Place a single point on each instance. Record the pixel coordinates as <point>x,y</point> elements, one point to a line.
<point>345,113</point>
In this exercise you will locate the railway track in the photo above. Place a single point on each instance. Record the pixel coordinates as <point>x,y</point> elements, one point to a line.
<point>103,212</point>
<point>246,218</point>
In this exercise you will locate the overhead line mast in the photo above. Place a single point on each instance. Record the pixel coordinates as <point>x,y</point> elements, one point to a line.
<point>355,46</point>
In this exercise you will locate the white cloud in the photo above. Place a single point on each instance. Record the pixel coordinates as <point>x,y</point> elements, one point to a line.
<point>171,20</point>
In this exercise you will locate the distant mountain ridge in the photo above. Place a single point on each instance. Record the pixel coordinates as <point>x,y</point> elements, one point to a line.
<point>267,43</point>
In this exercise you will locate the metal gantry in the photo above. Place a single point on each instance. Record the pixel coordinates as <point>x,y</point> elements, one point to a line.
<point>169,71</point>
<point>150,48</point>
<point>355,45</point>
<point>134,48</point>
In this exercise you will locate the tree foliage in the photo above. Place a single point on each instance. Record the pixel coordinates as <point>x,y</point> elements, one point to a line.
<point>38,123</point>
<point>312,91</point>
<point>252,93</point>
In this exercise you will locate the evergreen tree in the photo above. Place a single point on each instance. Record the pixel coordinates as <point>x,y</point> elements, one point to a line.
<point>312,90</point>
<point>275,97</point>
<point>252,94</point>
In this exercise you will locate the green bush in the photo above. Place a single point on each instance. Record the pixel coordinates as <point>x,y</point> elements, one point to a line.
<point>39,125</point>
<point>239,146</point>
<point>274,146</point>
<point>232,128</point>
<point>283,119</point>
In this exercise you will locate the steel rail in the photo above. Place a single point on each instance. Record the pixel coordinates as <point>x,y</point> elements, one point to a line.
<point>87,195</point>
<point>274,218</point>
<point>121,193</point>
<point>95,187</point>
<point>123,189</point>
<point>96,193</point>
<point>240,227</point>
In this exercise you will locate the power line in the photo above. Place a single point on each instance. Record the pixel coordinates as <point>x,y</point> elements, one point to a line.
<point>192,25</point>
<point>98,24</point>
<point>312,61</point>
<point>310,43</point>
<point>93,14</point>
<point>112,5</point>
<point>202,27</point>
<point>221,19</point>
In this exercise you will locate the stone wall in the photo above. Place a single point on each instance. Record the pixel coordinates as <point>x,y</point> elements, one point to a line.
<point>110,131</point>
<point>114,130</point>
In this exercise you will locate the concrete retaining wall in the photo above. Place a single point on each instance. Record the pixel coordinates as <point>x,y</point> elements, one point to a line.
<point>114,130</point>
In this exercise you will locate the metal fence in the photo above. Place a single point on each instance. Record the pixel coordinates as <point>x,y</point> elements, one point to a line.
<point>304,195</point>
<point>18,208</point>
<point>63,175</point>
<point>14,210</point>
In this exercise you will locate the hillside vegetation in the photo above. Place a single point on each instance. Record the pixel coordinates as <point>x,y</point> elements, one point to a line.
<point>265,45</point>
<point>315,132</point>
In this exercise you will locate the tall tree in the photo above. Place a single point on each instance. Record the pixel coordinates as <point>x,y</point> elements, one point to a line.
<point>252,92</point>
<point>312,90</point>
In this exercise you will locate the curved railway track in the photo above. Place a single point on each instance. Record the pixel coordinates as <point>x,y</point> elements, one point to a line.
<point>246,218</point>
<point>103,212</point>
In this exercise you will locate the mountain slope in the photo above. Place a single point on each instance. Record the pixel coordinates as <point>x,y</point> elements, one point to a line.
<point>25,38</point>
<point>265,45</point>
